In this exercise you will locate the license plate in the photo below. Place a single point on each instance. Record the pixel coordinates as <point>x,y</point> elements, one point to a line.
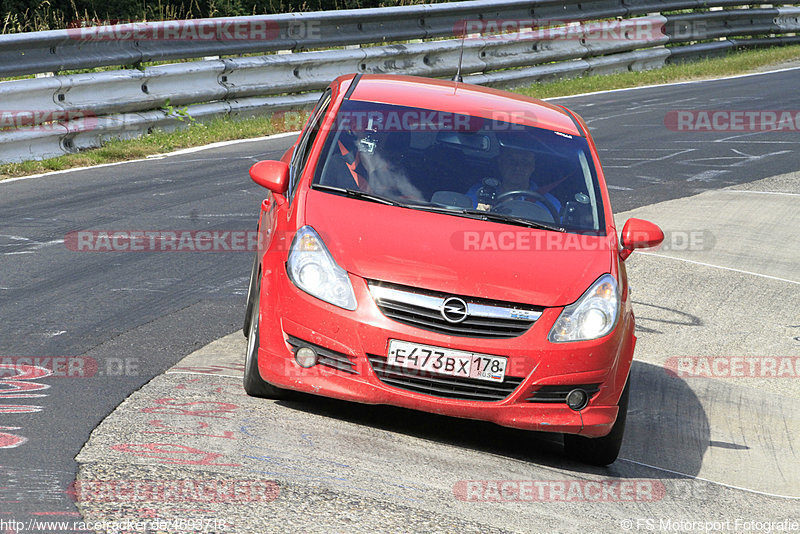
<point>446,361</point>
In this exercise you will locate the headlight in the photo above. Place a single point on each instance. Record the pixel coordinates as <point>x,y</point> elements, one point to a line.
<point>591,316</point>
<point>312,268</point>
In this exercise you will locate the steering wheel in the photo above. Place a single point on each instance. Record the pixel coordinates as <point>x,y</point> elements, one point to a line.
<point>507,197</point>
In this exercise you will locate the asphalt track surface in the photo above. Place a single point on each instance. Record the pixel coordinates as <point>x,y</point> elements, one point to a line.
<point>137,314</point>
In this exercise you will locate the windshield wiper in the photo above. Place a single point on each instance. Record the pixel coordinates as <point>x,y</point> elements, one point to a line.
<point>472,213</point>
<point>499,217</point>
<point>355,193</point>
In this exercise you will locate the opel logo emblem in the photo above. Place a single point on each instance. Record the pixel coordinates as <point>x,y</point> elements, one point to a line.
<point>454,310</point>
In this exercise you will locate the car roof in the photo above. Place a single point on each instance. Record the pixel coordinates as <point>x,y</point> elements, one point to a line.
<point>459,97</point>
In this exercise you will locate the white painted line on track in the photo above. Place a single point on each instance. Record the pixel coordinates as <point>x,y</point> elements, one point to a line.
<point>193,149</point>
<point>720,267</point>
<point>200,374</point>
<point>674,83</point>
<point>709,481</point>
<point>760,192</point>
<point>154,156</point>
<point>36,245</point>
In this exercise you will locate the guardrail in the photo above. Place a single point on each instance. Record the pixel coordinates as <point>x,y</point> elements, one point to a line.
<point>504,43</point>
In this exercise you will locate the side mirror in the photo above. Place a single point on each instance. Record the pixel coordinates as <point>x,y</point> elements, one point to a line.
<point>638,233</point>
<point>274,175</point>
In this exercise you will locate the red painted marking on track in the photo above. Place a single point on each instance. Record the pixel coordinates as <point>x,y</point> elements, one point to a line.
<point>19,385</point>
<point>171,407</point>
<point>210,369</point>
<point>16,383</point>
<point>16,408</point>
<point>162,452</point>
<point>25,372</point>
<point>9,441</point>
<point>227,434</point>
<point>147,513</point>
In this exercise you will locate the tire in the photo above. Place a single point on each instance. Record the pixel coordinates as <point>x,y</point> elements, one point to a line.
<point>251,290</point>
<point>254,385</point>
<point>600,451</point>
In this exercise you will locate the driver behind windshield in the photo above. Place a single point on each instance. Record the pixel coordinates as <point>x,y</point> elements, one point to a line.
<point>374,163</point>
<point>516,173</point>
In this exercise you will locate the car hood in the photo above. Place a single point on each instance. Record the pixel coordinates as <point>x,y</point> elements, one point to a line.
<point>455,254</point>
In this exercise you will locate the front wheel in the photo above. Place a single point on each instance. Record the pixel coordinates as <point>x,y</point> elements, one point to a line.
<point>254,385</point>
<point>600,451</point>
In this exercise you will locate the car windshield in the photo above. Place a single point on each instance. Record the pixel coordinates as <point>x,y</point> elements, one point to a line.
<point>462,165</point>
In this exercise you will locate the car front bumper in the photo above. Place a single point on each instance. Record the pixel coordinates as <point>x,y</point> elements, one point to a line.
<point>288,313</point>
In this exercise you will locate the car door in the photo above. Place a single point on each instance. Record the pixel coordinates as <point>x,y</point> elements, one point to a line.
<point>275,207</point>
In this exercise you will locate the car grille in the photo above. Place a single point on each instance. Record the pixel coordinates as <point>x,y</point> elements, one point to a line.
<point>447,387</point>
<point>424,309</point>
<point>327,357</point>
<point>558,394</point>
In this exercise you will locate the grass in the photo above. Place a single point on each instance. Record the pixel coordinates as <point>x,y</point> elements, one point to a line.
<point>736,63</point>
<point>198,134</point>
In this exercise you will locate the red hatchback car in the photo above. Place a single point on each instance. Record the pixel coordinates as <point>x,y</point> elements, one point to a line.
<point>448,248</point>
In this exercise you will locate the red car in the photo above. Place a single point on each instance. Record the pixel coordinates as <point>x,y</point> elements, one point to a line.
<point>448,248</point>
